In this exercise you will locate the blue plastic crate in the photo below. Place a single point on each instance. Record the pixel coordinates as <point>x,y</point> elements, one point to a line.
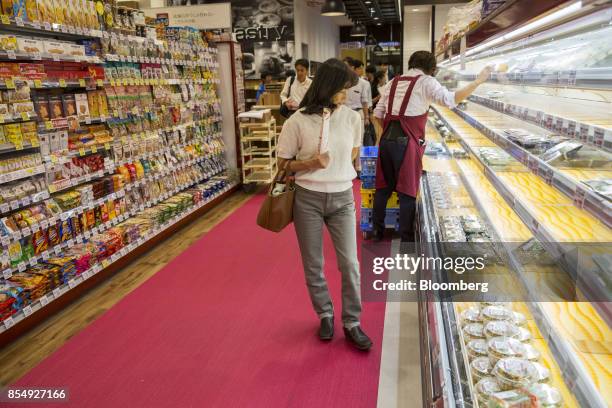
<point>366,219</point>
<point>368,181</point>
<point>369,151</point>
<point>368,166</point>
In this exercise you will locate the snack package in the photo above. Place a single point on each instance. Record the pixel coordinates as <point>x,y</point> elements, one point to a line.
<point>82,105</point>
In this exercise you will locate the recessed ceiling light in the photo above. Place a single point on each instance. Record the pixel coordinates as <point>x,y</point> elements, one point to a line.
<point>376,18</point>
<point>378,24</point>
<point>368,2</point>
<point>415,9</point>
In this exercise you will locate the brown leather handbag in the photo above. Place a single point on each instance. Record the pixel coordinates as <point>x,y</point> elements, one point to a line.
<point>276,212</point>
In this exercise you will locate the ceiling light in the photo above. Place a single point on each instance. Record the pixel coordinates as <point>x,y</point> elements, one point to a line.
<point>378,24</point>
<point>333,8</point>
<point>359,30</point>
<point>370,41</point>
<point>368,2</point>
<point>376,18</point>
<point>415,9</point>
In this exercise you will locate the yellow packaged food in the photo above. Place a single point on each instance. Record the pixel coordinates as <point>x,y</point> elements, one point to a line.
<point>31,10</point>
<point>102,103</point>
<point>7,7</point>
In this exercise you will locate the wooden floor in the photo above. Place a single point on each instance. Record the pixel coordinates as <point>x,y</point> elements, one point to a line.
<point>21,356</point>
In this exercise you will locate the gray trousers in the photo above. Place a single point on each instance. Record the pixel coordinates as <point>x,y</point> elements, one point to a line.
<point>311,210</point>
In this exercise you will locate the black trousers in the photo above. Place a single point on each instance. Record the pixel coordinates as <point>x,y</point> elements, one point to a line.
<point>392,149</point>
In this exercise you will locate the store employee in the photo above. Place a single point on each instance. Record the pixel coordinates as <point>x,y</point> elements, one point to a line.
<point>359,97</point>
<point>296,86</point>
<point>402,108</point>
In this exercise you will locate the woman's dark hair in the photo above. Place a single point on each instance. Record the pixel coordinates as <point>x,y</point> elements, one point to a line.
<point>356,63</point>
<point>332,77</point>
<point>303,62</point>
<point>371,69</point>
<point>378,76</point>
<point>423,60</point>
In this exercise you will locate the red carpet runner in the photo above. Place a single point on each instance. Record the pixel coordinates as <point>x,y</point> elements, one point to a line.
<point>228,323</point>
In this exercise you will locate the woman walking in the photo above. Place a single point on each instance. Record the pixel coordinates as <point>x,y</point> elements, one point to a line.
<point>320,141</point>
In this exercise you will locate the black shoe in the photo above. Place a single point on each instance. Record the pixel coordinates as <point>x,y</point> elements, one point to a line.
<point>358,338</point>
<point>326,331</point>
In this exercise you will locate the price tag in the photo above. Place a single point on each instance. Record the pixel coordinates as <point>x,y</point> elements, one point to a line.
<point>9,322</point>
<point>62,83</point>
<point>100,83</point>
<point>45,255</point>
<point>82,83</point>
<point>27,311</point>
<point>57,292</point>
<point>105,263</point>
<point>58,250</point>
<point>87,274</point>
<point>79,239</point>
<point>5,19</point>
<point>72,283</point>
<point>26,231</point>
<point>113,82</point>
<point>96,268</point>
<point>21,267</point>
<point>7,273</point>
<point>44,301</point>
<point>4,207</point>
<point>10,84</point>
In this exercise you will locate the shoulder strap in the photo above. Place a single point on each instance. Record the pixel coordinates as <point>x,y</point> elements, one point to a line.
<point>324,135</point>
<point>392,95</point>
<point>290,85</point>
<point>402,111</point>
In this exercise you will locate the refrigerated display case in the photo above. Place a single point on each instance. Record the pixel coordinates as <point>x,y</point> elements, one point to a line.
<point>525,167</point>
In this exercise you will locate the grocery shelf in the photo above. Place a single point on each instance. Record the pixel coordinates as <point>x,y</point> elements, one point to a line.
<point>569,362</point>
<point>510,14</point>
<point>260,163</point>
<point>580,194</point>
<point>24,232</point>
<point>16,204</point>
<point>21,174</point>
<point>12,55</point>
<point>258,177</point>
<point>62,31</point>
<point>590,123</point>
<point>58,292</point>
<point>555,224</point>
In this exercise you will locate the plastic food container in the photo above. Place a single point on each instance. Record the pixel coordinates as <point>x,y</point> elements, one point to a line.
<point>474,331</point>
<point>497,328</point>
<point>480,368</point>
<point>477,348</point>
<point>471,315</point>
<point>530,353</point>
<point>541,374</point>
<point>523,335</point>
<point>490,313</point>
<point>513,373</point>
<point>519,319</point>
<point>502,347</point>
<point>547,396</point>
<point>485,388</point>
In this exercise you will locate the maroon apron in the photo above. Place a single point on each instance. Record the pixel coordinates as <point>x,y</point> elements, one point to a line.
<point>413,127</point>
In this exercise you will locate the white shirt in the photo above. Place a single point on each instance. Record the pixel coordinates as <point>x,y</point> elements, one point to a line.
<point>427,90</point>
<point>359,95</point>
<point>299,139</point>
<point>298,90</point>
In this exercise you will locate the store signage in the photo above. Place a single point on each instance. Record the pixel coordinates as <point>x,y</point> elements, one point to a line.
<point>203,17</point>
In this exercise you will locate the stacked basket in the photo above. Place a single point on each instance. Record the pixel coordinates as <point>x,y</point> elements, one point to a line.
<point>369,155</point>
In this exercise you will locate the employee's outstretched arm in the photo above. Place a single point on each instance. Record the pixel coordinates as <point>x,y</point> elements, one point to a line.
<point>461,94</point>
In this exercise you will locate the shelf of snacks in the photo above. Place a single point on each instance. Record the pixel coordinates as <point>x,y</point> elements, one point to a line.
<point>516,348</point>
<point>115,127</point>
<point>53,277</point>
